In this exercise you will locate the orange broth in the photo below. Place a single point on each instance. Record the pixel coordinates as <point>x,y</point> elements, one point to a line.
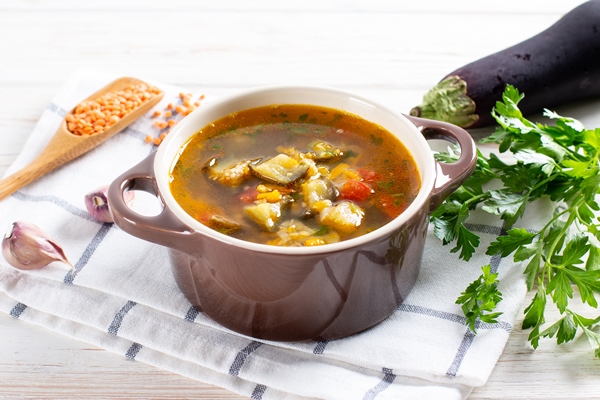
<point>356,162</point>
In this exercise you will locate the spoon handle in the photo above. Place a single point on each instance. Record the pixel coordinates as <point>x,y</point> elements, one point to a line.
<point>22,177</point>
<point>62,148</point>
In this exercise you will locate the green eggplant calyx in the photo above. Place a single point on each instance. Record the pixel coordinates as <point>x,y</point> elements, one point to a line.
<point>448,101</point>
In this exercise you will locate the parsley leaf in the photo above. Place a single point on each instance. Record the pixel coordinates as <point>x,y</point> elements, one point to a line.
<point>480,298</point>
<point>509,205</point>
<point>515,239</point>
<point>448,225</point>
<point>560,290</point>
<point>466,242</point>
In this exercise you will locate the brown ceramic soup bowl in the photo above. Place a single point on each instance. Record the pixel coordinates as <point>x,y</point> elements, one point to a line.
<point>295,293</point>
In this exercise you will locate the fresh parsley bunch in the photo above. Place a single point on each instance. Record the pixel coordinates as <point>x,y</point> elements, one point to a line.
<point>559,162</point>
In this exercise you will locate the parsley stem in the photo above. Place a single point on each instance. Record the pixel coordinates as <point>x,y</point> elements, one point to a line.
<point>550,178</point>
<point>553,219</point>
<point>476,198</point>
<point>552,249</point>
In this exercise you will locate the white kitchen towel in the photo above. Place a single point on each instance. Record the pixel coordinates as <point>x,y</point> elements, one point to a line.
<point>123,298</point>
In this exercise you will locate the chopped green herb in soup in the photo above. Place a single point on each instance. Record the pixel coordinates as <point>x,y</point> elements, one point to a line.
<point>294,175</point>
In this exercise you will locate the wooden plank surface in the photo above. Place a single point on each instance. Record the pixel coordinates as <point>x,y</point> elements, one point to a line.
<point>387,50</point>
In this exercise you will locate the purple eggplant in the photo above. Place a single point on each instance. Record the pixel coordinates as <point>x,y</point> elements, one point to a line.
<point>555,67</point>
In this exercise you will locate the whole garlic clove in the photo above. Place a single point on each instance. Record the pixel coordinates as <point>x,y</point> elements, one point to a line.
<point>27,247</point>
<point>97,205</point>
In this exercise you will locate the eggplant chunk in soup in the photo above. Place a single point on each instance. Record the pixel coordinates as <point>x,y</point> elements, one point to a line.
<point>294,175</point>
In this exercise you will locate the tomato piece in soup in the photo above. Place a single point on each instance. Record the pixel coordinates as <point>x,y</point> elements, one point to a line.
<point>353,189</point>
<point>368,175</point>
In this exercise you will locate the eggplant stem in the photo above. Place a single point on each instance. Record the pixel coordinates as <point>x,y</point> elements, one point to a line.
<point>448,101</point>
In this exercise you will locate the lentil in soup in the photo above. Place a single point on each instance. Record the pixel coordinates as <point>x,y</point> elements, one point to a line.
<point>294,175</point>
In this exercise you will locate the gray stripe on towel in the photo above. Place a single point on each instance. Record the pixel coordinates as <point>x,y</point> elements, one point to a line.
<point>452,317</point>
<point>113,329</point>
<point>482,228</point>
<point>241,357</point>
<point>57,201</point>
<point>17,310</point>
<point>320,347</point>
<point>460,354</point>
<point>433,313</point>
<point>133,351</point>
<point>56,110</point>
<point>498,325</point>
<point>495,263</point>
<point>258,392</point>
<point>191,314</point>
<point>387,380</point>
<point>88,252</point>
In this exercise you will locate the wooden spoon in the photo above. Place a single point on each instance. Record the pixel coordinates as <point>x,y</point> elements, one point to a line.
<point>65,146</point>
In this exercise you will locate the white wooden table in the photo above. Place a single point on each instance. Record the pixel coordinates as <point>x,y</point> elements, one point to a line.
<point>390,51</point>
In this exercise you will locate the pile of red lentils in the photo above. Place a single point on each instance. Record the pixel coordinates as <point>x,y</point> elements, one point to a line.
<point>168,117</point>
<point>95,116</point>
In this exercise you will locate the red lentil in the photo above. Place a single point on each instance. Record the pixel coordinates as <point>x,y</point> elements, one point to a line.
<point>183,109</point>
<point>160,124</point>
<point>96,115</point>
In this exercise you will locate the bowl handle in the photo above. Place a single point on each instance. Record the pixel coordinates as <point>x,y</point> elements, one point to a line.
<point>448,176</point>
<point>165,228</point>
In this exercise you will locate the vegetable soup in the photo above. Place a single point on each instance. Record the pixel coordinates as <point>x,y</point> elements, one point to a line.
<point>294,175</point>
